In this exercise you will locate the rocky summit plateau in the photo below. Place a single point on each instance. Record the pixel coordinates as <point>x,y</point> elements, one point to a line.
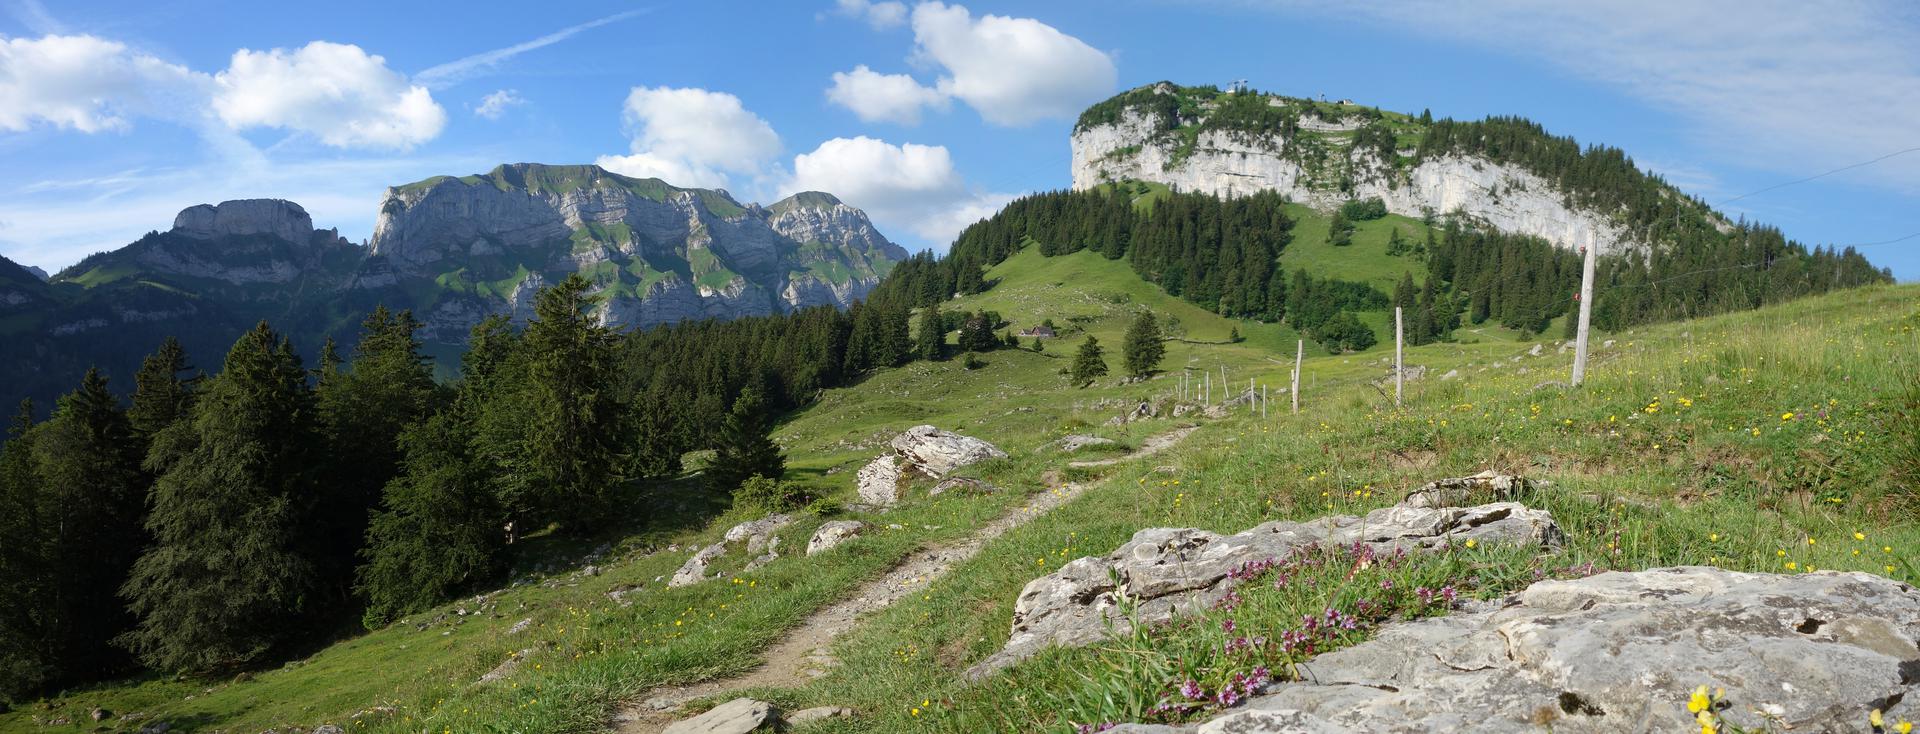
<point>454,249</point>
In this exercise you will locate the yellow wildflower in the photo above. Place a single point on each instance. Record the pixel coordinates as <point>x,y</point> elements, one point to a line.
<point>1699,701</point>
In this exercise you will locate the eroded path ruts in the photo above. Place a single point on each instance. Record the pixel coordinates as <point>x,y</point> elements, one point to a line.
<point>806,651</point>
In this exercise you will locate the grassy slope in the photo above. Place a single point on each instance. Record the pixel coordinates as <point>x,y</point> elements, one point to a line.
<point>1709,474</point>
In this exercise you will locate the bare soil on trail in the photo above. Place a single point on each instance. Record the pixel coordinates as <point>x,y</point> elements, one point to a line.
<point>1149,447</point>
<point>806,653</point>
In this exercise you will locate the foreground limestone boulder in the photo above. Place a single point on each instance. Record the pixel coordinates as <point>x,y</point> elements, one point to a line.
<point>739,716</point>
<point>1620,652</point>
<point>1168,571</point>
<point>831,534</point>
<point>879,481</point>
<point>936,452</point>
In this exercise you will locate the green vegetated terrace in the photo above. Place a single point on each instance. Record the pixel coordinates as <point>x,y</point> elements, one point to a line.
<point>1750,441</point>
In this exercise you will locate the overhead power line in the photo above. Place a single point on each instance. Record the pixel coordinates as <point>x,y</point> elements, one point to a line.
<point>1818,175</point>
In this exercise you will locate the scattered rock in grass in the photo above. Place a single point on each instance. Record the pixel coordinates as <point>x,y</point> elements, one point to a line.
<point>739,716</point>
<point>1449,375</point>
<point>100,714</point>
<point>520,626</point>
<point>773,554</point>
<point>1535,351</point>
<point>758,534</point>
<point>963,484</point>
<point>818,713</point>
<point>506,667</point>
<point>328,729</point>
<point>158,727</point>
<point>831,534</point>
<point>878,482</point>
<point>936,453</point>
<point>1457,491</point>
<point>620,593</point>
<point>1622,651</point>
<point>1166,571</point>
<point>1076,442</point>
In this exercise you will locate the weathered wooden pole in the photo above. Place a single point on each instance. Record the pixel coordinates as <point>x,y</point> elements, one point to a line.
<point>1586,316</point>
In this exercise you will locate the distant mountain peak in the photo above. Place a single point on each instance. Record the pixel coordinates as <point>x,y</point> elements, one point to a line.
<point>806,200</point>
<point>245,217</point>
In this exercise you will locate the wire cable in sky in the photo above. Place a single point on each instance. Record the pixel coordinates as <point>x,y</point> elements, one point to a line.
<point>1820,175</point>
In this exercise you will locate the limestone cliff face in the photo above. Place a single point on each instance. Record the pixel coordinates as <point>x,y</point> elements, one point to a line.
<point>1228,162</point>
<point>658,253</point>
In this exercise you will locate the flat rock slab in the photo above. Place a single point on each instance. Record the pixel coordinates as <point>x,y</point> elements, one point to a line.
<point>878,483</point>
<point>1619,652</point>
<point>936,452</point>
<point>1168,571</point>
<point>739,716</point>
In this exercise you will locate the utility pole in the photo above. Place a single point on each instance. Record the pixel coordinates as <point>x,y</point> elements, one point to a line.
<point>1586,315</point>
<point>1299,353</point>
<point>1399,365</point>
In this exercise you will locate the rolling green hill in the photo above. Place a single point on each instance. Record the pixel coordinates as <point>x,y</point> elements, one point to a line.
<point>1716,476</point>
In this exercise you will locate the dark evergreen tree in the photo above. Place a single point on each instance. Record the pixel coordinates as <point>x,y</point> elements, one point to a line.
<point>161,397</point>
<point>1143,348</point>
<point>228,579</point>
<point>559,435</point>
<point>746,448</point>
<point>24,668</point>
<point>1339,230</point>
<point>88,496</point>
<point>437,532</point>
<point>1088,363</point>
<point>976,334</point>
<point>362,410</point>
<point>931,342</point>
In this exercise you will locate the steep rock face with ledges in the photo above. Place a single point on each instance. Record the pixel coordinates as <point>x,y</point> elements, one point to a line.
<point>657,253</point>
<point>1316,163</point>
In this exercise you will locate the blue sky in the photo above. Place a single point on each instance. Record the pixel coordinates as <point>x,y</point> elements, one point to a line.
<point>113,116</point>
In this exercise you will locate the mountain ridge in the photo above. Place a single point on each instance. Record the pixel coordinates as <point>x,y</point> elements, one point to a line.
<point>453,249</point>
<point>1506,172</point>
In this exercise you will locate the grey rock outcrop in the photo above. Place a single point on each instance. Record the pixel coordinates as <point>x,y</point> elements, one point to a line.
<point>675,253</point>
<point>818,713</point>
<point>1457,491</point>
<point>1168,571</point>
<point>739,716</point>
<point>935,452</point>
<point>878,483</point>
<point>758,535</point>
<point>1140,143</point>
<point>1621,651</point>
<point>832,533</point>
<point>245,217</point>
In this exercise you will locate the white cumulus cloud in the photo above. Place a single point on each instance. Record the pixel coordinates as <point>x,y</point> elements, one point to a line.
<point>693,137</point>
<point>876,97</point>
<point>1014,71</point>
<point>494,105</point>
<point>880,15</point>
<point>88,84</point>
<point>336,92</point>
<point>909,186</point>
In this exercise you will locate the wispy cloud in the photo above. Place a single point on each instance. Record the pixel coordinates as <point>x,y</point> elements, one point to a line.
<point>34,15</point>
<point>1784,85</point>
<point>458,70</point>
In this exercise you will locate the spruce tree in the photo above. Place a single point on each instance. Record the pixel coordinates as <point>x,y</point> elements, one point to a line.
<point>160,396</point>
<point>1403,292</point>
<point>1425,322</point>
<point>362,411</point>
<point>24,668</point>
<point>228,580</point>
<point>976,334</point>
<point>1088,364</point>
<point>1339,230</point>
<point>746,448</point>
<point>1143,348</point>
<point>559,433</point>
<point>92,497</point>
<point>437,532</point>
<point>931,342</point>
